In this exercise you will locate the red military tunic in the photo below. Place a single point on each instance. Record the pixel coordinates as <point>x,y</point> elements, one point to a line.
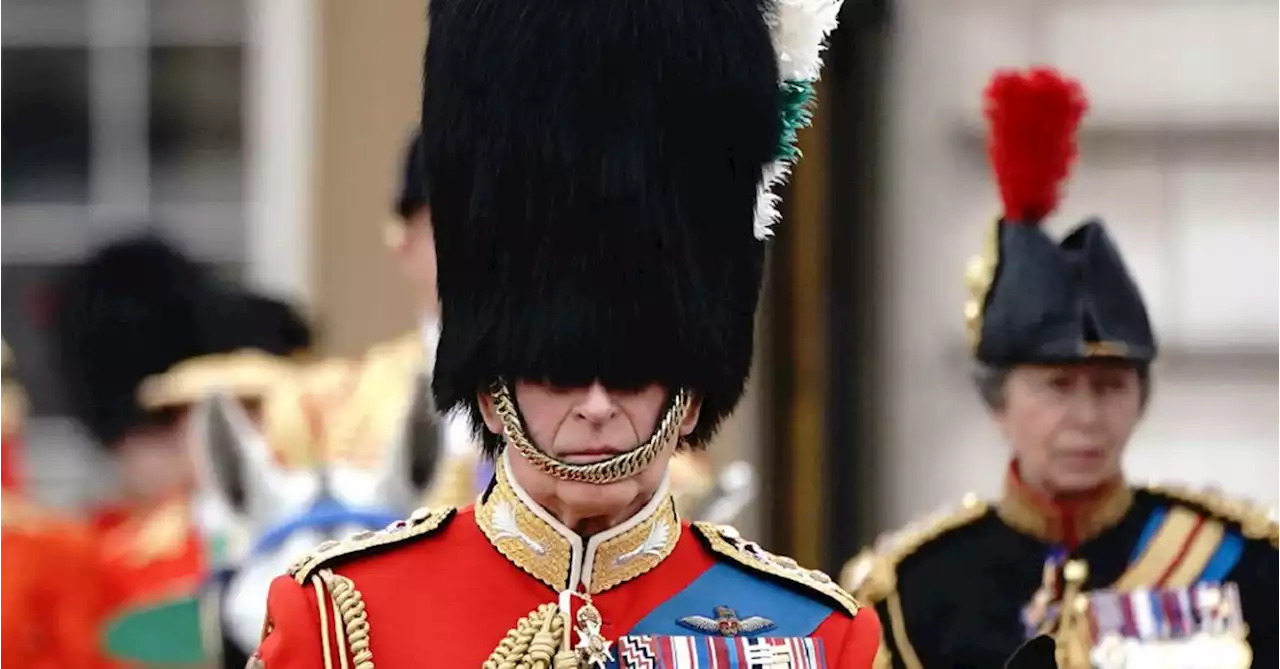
<point>50,591</point>
<point>148,555</point>
<point>444,588</point>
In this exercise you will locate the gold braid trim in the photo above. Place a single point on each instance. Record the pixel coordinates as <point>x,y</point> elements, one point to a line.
<point>725,541</point>
<point>872,574</point>
<point>421,523</point>
<point>353,630</point>
<point>1255,521</point>
<point>532,643</point>
<point>979,274</point>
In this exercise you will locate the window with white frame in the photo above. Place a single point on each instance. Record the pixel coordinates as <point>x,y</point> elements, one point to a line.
<point>118,115</point>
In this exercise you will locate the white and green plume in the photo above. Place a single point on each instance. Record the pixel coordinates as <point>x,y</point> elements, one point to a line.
<point>800,29</point>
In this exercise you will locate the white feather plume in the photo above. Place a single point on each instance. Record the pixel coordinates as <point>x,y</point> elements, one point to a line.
<point>767,213</point>
<point>800,29</point>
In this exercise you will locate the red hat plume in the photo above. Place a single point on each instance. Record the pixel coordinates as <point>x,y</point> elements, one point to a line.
<point>1033,118</point>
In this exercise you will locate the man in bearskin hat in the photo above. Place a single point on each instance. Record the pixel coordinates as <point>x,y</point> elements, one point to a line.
<point>593,175</point>
<point>1148,576</point>
<point>127,317</point>
<point>381,403</point>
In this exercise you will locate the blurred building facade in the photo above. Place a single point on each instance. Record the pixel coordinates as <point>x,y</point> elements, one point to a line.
<point>264,135</point>
<point>118,116</point>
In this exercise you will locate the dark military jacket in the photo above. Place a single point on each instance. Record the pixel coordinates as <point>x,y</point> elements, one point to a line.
<point>951,590</point>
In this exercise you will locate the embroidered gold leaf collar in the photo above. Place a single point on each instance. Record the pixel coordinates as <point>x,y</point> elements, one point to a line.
<point>542,546</point>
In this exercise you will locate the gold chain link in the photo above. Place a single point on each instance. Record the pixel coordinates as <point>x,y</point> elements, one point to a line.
<point>617,468</point>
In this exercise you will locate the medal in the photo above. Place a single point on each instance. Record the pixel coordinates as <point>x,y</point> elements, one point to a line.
<point>593,649</point>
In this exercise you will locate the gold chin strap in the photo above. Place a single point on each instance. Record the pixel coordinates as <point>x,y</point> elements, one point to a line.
<point>617,468</point>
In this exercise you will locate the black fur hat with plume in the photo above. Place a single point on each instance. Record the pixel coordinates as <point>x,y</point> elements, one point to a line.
<point>598,176</point>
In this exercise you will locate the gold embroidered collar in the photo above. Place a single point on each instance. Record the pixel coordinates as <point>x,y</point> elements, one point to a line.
<point>542,546</point>
<point>1062,521</point>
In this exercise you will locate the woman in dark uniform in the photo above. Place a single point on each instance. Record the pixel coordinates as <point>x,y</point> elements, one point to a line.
<point>1063,347</point>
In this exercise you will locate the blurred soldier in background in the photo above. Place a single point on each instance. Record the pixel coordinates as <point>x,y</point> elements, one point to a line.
<point>1146,575</point>
<point>136,325</point>
<point>378,409</point>
<point>49,590</point>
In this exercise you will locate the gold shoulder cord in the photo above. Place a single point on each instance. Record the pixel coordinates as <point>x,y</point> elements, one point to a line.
<point>351,623</point>
<point>533,643</point>
<point>726,541</point>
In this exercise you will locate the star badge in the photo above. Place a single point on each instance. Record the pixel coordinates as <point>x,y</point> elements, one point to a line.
<point>727,623</point>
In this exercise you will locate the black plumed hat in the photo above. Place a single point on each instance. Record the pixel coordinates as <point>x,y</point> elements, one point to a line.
<point>266,324</point>
<point>598,177</point>
<point>1036,300</point>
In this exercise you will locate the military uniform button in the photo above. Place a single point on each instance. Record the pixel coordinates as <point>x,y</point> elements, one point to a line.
<point>420,514</point>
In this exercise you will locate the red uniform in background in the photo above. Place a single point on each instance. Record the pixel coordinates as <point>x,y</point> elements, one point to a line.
<point>148,554</point>
<point>50,592</point>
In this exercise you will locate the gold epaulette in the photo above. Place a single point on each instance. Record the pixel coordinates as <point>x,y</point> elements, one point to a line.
<point>873,573</point>
<point>1255,521</point>
<point>725,541</point>
<point>420,524</point>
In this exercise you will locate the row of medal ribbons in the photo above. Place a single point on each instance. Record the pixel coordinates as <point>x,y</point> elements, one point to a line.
<point>1199,627</point>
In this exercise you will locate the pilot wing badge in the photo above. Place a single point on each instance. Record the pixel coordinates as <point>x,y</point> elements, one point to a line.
<point>727,623</point>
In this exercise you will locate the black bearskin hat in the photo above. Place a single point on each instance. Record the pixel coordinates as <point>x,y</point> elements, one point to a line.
<point>1036,300</point>
<point>413,185</point>
<point>594,172</point>
<point>266,324</point>
<point>133,309</point>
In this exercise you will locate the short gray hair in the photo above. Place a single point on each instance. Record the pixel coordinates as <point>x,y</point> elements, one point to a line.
<point>990,381</point>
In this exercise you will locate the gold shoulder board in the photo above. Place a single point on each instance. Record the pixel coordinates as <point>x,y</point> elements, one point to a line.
<point>1255,521</point>
<point>873,573</point>
<point>421,523</point>
<point>726,542</point>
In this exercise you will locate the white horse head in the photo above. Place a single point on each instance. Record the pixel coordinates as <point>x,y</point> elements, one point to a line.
<point>264,505</point>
